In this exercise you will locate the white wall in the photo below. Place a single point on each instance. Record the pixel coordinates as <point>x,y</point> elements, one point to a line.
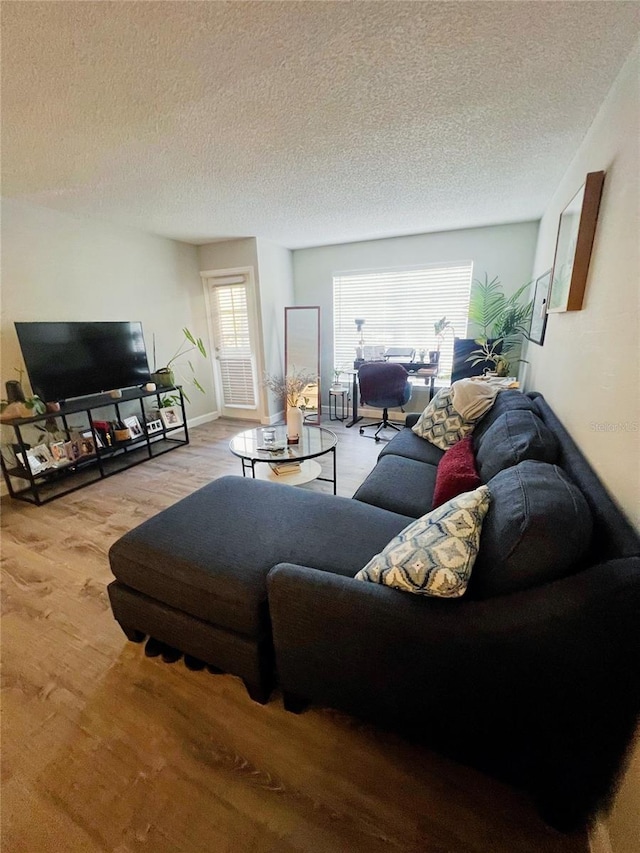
<point>273,277</point>
<point>588,366</point>
<point>226,254</point>
<point>275,272</point>
<point>59,267</point>
<point>238,254</point>
<point>503,250</point>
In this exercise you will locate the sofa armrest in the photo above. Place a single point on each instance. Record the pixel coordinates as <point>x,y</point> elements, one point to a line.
<point>538,685</point>
<point>587,621</point>
<point>412,419</point>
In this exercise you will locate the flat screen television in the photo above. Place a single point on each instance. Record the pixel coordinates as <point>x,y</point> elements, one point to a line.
<point>66,360</point>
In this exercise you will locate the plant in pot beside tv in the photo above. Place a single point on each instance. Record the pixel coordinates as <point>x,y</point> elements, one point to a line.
<point>16,405</point>
<point>503,320</point>
<point>165,376</point>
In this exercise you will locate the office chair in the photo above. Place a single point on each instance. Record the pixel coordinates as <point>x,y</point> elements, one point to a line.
<point>383,385</point>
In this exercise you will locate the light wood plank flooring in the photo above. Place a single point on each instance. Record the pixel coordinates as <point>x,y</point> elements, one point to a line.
<point>107,750</point>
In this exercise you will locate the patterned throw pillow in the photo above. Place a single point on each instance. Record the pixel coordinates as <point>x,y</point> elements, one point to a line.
<point>434,555</point>
<point>440,423</point>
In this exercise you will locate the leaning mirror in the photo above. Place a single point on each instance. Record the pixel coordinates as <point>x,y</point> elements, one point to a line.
<point>302,355</point>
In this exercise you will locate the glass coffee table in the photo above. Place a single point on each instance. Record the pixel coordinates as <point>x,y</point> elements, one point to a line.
<point>314,441</point>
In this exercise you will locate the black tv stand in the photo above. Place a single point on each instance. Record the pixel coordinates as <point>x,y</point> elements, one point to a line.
<point>100,460</point>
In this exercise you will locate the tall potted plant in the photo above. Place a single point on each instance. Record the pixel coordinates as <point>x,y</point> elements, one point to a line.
<point>503,320</point>
<point>165,376</point>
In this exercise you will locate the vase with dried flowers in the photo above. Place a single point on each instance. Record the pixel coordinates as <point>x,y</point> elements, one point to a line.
<point>289,389</point>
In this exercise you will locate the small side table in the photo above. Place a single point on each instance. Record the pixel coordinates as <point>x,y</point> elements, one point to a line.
<point>338,394</point>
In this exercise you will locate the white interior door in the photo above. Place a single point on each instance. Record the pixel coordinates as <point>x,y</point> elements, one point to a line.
<point>232,324</point>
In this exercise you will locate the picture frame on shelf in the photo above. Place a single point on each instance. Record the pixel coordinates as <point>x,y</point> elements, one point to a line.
<point>30,463</point>
<point>576,232</point>
<point>59,452</point>
<point>171,416</point>
<point>154,426</point>
<point>540,302</point>
<point>42,455</point>
<point>98,440</point>
<point>133,424</point>
<point>87,445</point>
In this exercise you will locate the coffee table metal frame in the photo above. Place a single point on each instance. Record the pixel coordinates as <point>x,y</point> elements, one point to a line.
<point>249,447</point>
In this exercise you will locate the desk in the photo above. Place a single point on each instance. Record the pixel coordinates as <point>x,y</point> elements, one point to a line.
<point>422,369</point>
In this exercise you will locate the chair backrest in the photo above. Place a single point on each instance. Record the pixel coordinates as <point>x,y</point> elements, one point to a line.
<point>383,384</point>
<point>463,369</point>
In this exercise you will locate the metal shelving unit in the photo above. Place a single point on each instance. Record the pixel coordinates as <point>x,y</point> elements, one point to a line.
<point>70,475</point>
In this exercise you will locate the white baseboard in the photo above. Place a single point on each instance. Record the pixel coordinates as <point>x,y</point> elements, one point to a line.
<point>202,419</point>
<point>269,420</point>
<point>599,841</point>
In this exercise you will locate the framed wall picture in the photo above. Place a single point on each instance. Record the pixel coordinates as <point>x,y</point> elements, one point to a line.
<point>540,302</point>
<point>171,416</point>
<point>576,230</point>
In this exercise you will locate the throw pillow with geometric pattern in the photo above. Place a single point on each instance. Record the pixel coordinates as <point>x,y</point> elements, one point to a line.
<point>440,423</point>
<point>434,555</point>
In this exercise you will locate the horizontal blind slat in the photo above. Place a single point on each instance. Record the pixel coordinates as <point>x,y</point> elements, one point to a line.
<point>400,308</point>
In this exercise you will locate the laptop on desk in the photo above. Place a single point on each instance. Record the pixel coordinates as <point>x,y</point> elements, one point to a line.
<point>399,354</point>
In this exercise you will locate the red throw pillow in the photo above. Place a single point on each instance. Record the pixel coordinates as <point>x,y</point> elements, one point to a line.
<point>457,472</point>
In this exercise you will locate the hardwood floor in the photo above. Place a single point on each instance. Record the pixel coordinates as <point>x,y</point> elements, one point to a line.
<point>107,750</point>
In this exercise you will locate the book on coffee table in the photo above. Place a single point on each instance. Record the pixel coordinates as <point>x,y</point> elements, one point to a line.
<point>283,468</point>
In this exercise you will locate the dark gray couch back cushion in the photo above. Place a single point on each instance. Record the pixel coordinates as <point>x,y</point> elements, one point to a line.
<point>516,435</point>
<point>537,529</point>
<point>506,401</point>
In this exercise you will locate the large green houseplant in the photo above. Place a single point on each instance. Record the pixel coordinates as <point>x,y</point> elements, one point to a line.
<point>503,320</point>
<point>165,376</point>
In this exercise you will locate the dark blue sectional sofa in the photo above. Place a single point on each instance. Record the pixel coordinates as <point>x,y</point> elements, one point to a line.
<point>533,676</point>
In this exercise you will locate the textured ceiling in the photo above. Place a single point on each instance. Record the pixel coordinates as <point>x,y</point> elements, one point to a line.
<point>305,123</point>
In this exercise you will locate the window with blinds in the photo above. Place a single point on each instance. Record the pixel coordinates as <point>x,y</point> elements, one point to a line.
<point>400,308</point>
<point>230,313</point>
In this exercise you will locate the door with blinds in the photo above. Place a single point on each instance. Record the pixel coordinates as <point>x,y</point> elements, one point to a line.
<point>230,304</point>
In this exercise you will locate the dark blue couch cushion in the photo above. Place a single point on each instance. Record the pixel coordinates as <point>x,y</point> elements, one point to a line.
<point>401,485</point>
<point>514,436</point>
<point>407,443</point>
<point>209,554</point>
<point>538,529</point>
<point>506,401</point>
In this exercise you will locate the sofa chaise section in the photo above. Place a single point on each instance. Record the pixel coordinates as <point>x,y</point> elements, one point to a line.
<point>194,576</point>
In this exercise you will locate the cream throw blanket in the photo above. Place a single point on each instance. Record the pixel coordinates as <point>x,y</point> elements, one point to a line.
<point>472,399</point>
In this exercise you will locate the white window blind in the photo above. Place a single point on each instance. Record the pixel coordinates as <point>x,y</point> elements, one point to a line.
<point>233,344</point>
<point>400,308</point>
